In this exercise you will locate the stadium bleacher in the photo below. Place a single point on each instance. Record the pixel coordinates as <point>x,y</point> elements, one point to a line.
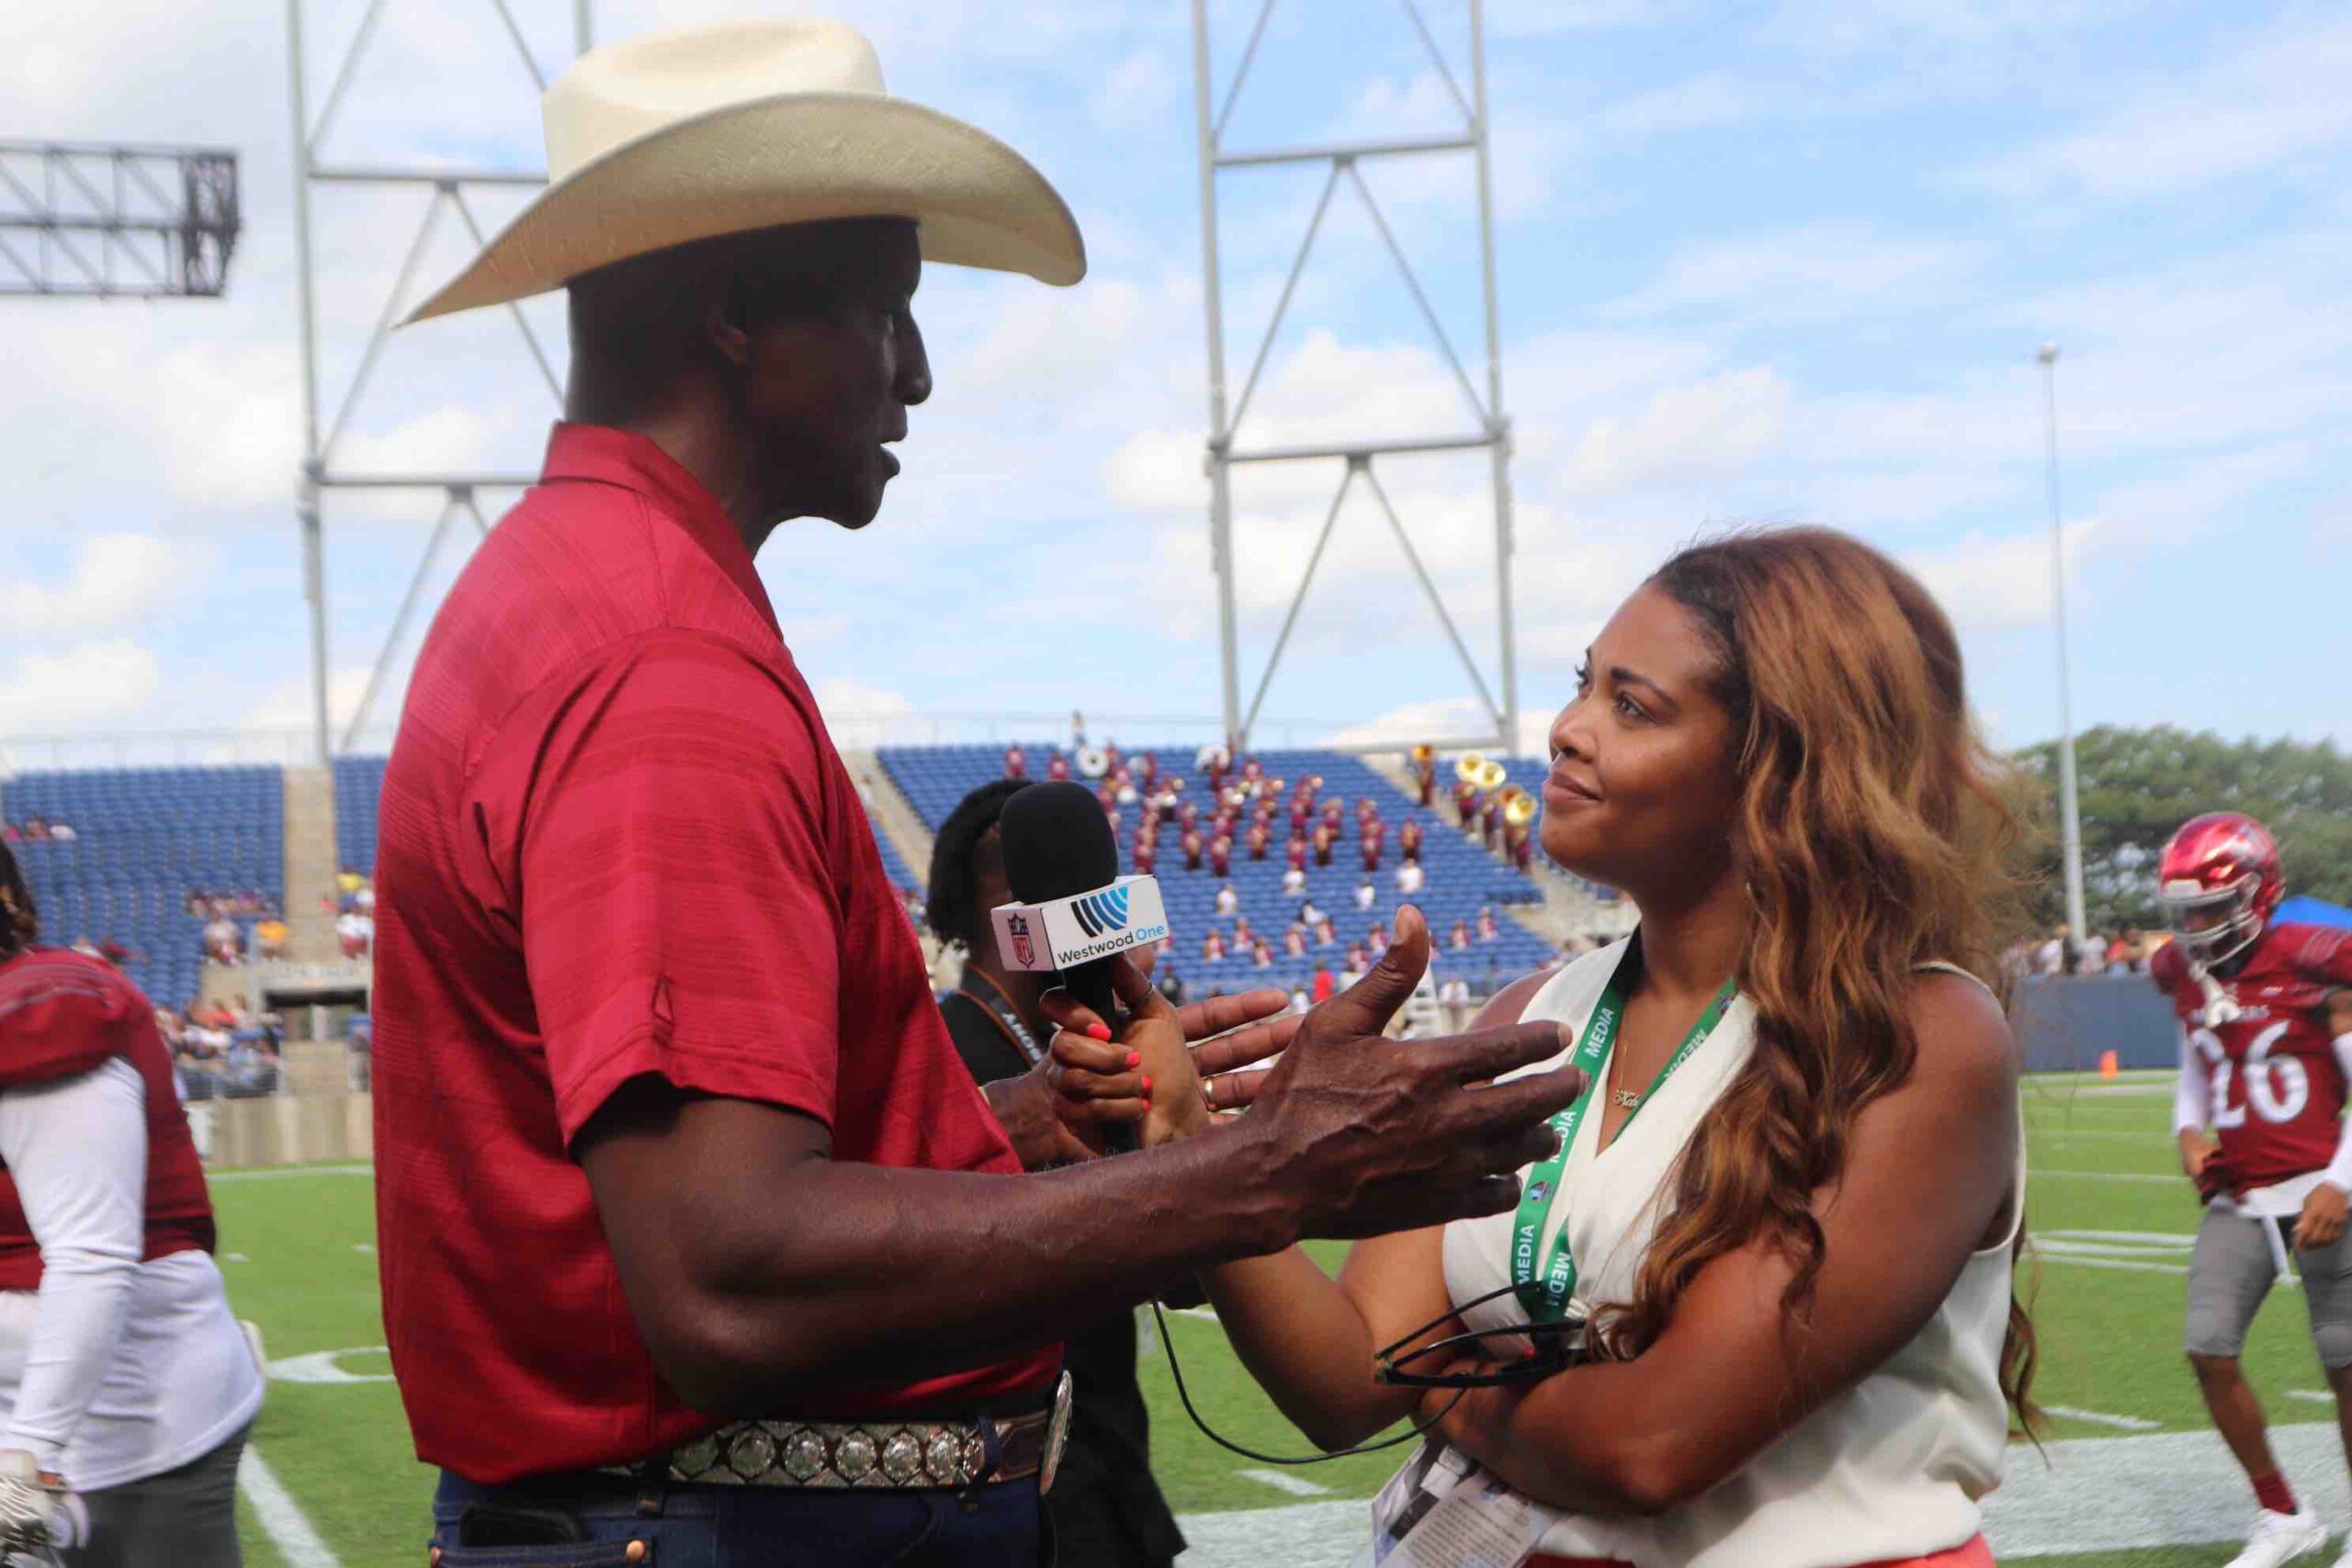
<point>1463,877</point>
<point>145,838</point>
<point>359,781</point>
<point>895,866</point>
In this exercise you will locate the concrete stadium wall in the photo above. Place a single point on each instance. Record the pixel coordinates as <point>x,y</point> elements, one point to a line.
<point>284,1129</point>
<point>2065,1025</point>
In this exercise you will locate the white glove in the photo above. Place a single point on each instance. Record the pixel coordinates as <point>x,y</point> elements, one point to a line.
<point>39,1516</point>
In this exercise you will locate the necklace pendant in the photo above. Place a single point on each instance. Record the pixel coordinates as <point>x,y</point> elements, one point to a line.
<point>1630,1099</point>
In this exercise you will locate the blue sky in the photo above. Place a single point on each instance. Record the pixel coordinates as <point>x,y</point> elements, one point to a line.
<point>1767,261</point>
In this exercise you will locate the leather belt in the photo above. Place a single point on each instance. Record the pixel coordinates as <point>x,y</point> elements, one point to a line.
<point>842,1454</point>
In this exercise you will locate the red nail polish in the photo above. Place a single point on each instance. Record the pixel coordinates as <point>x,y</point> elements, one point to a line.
<point>1135,1058</point>
<point>1098,1032</point>
<point>1147,1087</point>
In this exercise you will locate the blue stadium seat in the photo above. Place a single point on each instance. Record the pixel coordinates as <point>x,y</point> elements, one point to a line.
<point>1463,877</point>
<point>145,838</point>
<point>359,784</point>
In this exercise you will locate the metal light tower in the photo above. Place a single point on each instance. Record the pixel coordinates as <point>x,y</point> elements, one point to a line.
<point>112,222</point>
<point>1357,458</point>
<point>320,473</point>
<point>2069,807</point>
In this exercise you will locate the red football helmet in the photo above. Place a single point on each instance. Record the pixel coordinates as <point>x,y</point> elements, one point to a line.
<point>2219,883</point>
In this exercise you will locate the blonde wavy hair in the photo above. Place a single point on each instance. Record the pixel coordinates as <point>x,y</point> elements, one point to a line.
<point>1873,835</point>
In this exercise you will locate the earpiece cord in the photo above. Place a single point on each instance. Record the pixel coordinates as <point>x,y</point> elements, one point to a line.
<point>1168,1347</point>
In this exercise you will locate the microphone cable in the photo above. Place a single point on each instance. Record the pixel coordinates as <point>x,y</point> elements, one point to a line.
<point>1167,1347</point>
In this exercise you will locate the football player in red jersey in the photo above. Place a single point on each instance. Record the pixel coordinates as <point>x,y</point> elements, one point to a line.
<point>2265,1014</point>
<point>123,1377</point>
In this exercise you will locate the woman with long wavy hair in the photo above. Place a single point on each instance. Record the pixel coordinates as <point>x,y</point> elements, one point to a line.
<point>1789,1206</point>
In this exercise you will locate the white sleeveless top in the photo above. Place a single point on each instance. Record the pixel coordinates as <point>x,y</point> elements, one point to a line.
<point>1894,1467</point>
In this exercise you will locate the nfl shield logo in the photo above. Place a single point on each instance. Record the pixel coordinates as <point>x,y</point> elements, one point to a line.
<point>1023,952</point>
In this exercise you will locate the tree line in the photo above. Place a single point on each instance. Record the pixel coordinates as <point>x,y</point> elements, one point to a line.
<point>2138,786</point>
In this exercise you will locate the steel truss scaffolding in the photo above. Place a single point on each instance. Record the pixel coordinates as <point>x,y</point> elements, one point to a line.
<point>1359,459</point>
<point>320,473</point>
<point>107,222</point>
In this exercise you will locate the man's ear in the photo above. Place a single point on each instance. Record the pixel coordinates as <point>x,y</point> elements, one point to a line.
<point>731,341</point>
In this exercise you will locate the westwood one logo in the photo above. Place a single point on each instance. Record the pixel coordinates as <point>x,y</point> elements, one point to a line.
<point>1098,914</point>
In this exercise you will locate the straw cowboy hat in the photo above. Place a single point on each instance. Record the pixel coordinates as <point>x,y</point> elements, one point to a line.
<point>722,129</point>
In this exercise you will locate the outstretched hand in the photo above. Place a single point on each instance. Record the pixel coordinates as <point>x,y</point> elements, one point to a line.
<point>1377,1135</point>
<point>1169,1067</point>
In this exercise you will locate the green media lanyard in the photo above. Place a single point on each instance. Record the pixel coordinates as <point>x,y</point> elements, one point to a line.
<point>1547,1299</point>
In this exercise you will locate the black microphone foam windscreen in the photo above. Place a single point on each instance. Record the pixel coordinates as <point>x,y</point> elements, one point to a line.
<point>1057,842</point>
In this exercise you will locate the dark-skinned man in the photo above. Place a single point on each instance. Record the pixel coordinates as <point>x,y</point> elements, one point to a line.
<point>696,1239</point>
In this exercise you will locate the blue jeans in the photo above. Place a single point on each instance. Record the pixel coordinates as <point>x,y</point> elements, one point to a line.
<point>741,1527</point>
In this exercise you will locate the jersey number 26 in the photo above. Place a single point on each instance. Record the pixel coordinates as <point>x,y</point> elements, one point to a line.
<point>2276,1090</point>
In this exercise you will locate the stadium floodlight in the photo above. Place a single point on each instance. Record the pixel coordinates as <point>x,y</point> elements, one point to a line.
<point>320,474</point>
<point>2069,802</point>
<point>1357,457</point>
<point>104,222</point>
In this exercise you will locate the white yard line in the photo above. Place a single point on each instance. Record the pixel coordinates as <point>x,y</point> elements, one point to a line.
<point>1209,1312</point>
<point>2100,1418</point>
<point>2067,1134</point>
<point>2035,1173</point>
<point>2042,1255</point>
<point>281,1518</point>
<point>1282,1480</point>
<point>281,1173</point>
<point>2313,1395</point>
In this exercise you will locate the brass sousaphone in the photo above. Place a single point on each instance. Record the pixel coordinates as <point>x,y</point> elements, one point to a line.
<point>1478,769</point>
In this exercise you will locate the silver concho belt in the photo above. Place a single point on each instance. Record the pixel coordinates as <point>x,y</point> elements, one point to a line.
<point>872,1453</point>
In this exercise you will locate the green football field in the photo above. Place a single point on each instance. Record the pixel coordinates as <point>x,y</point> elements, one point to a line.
<point>2111,1218</point>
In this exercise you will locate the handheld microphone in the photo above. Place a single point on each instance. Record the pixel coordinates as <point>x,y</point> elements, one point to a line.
<point>1057,845</point>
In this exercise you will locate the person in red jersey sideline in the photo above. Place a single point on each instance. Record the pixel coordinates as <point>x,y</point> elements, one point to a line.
<point>126,1385</point>
<point>2266,1027</point>
<point>699,1244</point>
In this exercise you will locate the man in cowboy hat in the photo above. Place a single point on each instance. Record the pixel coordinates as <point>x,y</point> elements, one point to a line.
<point>696,1239</point>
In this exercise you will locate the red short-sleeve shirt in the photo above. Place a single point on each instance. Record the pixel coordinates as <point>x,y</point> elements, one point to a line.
<point>615,839</point>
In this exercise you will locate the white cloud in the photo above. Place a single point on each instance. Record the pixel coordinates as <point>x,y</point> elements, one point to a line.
<point>88,686</point>
<point>286,707</point>
<point>1702,430</point>
<point>1818,270</point>
<point>1539,18</point>
<point>117,580</point>
<point>1158,468</point>
<point>2276,99</point>
<point>859,715</point>
<point>1139,91</point>
<point>1444,719</point>
<point>1329,390</point>
<point>1998,583</point>
<point>1694,103</point>
<point>2188,498</point>
<point>455,437</point>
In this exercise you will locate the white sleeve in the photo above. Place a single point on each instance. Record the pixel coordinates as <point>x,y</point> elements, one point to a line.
<point>2338,1173</point>
<point>78,1150</point>
<point>2192,1098</point>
